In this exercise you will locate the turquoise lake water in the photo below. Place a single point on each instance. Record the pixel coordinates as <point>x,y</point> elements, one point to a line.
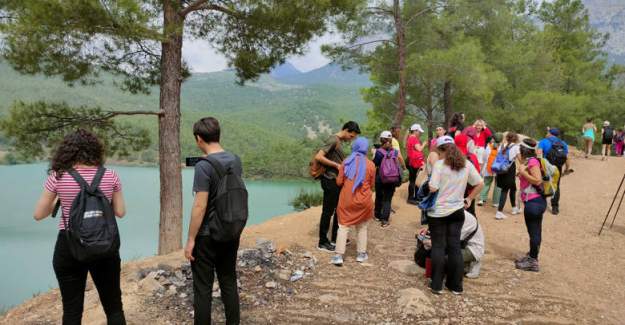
<point>26,246</point>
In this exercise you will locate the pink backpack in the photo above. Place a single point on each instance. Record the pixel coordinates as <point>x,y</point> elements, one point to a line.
<point>390,172</point>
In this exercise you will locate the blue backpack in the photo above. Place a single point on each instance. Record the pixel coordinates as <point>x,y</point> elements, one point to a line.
<point>502,164</point>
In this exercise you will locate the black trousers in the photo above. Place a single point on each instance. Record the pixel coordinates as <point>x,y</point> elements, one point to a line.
<point>555,200</point>
<point>210,257</point>
<point>533,213</point>
<point>383,198</point>
<point>331,193</point>
<point>445,234</point>
<point>72,277</point>
<point>412,180</point>
<point>502,197</point>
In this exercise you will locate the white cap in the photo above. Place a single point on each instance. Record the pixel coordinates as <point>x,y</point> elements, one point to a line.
<point>606,123</point>
<point>444,140</point>
<point>386,135</point>
<point>416,127</point>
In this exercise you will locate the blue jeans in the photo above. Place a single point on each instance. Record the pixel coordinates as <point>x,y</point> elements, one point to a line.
<point>533,212</point>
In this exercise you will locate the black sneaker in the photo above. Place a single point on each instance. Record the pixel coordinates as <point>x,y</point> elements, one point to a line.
<point>555,211</point>
<point>412,202</point>
<point>326,247</point>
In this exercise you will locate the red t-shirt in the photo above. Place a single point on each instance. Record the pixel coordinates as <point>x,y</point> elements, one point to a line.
<point>67,188</point>
<point>415,157</point>
<point>480,139</point>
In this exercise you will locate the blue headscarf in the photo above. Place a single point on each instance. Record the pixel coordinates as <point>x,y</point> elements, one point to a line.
<point>358,157</point>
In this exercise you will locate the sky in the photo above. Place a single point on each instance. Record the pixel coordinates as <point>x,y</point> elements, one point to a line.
<point>203,58</point>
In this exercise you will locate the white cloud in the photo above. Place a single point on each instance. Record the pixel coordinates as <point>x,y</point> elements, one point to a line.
<point>203,58</point>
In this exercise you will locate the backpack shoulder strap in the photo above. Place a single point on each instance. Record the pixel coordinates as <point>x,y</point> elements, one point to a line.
<point>217,166</point>
<point>81,181</point>
<point>95,183</point>
<point>477,226</point>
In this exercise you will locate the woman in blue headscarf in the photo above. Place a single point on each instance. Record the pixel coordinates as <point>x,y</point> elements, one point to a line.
<point>355,208</point>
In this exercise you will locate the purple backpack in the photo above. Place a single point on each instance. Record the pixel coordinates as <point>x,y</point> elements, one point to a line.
<point>389,168</point>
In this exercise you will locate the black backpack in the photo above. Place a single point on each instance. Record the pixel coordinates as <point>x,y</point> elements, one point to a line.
<point>91,230</point>
<point>557,154</point>
<point>608,133</point>
<point>228,210</point>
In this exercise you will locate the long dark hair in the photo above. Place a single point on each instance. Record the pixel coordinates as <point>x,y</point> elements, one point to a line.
<point>80,147</point>
<point>456,122</point>
<point>453,156</point>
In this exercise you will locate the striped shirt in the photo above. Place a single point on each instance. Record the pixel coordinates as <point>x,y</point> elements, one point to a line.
<point>67,188</point>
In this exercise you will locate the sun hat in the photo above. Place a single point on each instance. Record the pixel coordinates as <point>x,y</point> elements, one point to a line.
<point>386,135</point>
<point>444,140</point>
<point>416,127</point>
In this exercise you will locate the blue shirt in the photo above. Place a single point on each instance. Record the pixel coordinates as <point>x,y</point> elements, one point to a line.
<point>546,143</point>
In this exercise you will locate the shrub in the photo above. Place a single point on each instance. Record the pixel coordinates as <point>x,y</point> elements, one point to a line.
<point>307,199</point>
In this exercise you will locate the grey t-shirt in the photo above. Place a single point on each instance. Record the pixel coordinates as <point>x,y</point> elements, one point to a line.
<point>206,179</point>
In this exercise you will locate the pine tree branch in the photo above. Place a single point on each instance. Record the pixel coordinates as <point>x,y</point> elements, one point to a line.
<point>112,114</point>
<point>369,42</point>
<point>204,5</point>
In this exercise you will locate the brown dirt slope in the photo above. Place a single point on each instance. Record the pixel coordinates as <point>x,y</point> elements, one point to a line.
<point>582,280</point>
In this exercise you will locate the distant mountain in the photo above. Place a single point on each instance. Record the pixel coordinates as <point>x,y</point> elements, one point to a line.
<point>330,74</point>
<point>284,70</point>
<point>608,16</point>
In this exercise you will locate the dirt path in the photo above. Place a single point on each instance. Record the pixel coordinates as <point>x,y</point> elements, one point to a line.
<point>582,278</point>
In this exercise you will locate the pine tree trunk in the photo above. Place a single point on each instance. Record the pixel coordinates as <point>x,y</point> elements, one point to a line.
<point>447,102</point>
<point>430,116</point>
<point>401,46</point>
<point>170,227</point>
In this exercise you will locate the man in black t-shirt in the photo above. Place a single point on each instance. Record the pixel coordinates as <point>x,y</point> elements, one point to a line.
<point>206,255</point>
<point>331,155</point>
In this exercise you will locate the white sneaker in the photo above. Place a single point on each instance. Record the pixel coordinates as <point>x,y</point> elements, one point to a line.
<point>516,210</point>
<point>474,270</point>
<point>362,257</point>
<point>500,216</point>
<point>480,203</point>
<point>337,260</point>
<point>495,205</point>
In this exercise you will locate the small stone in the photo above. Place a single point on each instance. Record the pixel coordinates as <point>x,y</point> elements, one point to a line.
<point>297,275</point>
<point>271,285</point>
<point>267,247</point>
<point>328,298</point>
<point>258,269</point>
<point>179,275</point>
<point>183,295</point>
<point>406,267</point>
<point>150,284</point>
<point>284,275</point>
<point>217,294</point>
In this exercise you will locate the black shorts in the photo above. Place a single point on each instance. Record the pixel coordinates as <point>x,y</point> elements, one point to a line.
<point>606,141</point>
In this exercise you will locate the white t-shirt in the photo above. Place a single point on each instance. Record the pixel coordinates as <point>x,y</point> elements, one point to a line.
<point>476,243</point>
<point>513,151</point>
<point>451,186</point>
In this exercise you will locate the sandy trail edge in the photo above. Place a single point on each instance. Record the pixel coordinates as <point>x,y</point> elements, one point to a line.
<point>581,272</point>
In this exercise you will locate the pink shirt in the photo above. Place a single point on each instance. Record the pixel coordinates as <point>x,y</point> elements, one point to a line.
<point>67,188</point>
<point>415,157</point>
<point>533,162</point>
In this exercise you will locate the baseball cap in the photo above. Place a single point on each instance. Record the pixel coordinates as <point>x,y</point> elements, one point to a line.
<point>606,123</point>
<point>444,140</point>
<point>498,137</point>
<point>416,127</point>
<point>386,135</point>
<point>554,131</point>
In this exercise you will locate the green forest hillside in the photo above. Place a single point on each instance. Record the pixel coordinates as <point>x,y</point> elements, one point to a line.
<point>268,123</point>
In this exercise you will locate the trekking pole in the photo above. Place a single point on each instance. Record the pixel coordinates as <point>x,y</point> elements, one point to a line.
<point>617,209</point>
<point>611,205</point>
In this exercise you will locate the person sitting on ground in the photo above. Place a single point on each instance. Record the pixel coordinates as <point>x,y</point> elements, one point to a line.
<point>531,177</point>
<point>607,136</point>
<point>207,254</point>
<point>507,181</point>
<point>82,154</point>
<point>487,173</point>
<point>450,177</point>
<point>472,244</point>
<point>355,209</point>
<point>384,189</point>
<point>414,148</point>
<point>331,155</point>
<point>559,147</point>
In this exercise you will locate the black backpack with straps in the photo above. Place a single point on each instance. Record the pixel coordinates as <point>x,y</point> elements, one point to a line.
<point>228,211</point>
<point>91,229</point>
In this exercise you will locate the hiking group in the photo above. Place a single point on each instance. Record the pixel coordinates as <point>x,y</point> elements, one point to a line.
<point>461,167</point>
<point>610,139</point>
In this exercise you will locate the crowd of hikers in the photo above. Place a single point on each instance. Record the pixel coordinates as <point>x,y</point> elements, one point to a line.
<point>462,165</point>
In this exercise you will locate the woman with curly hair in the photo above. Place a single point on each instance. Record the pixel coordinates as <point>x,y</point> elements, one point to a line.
<point>82,151</point>
<point>450,177</point>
